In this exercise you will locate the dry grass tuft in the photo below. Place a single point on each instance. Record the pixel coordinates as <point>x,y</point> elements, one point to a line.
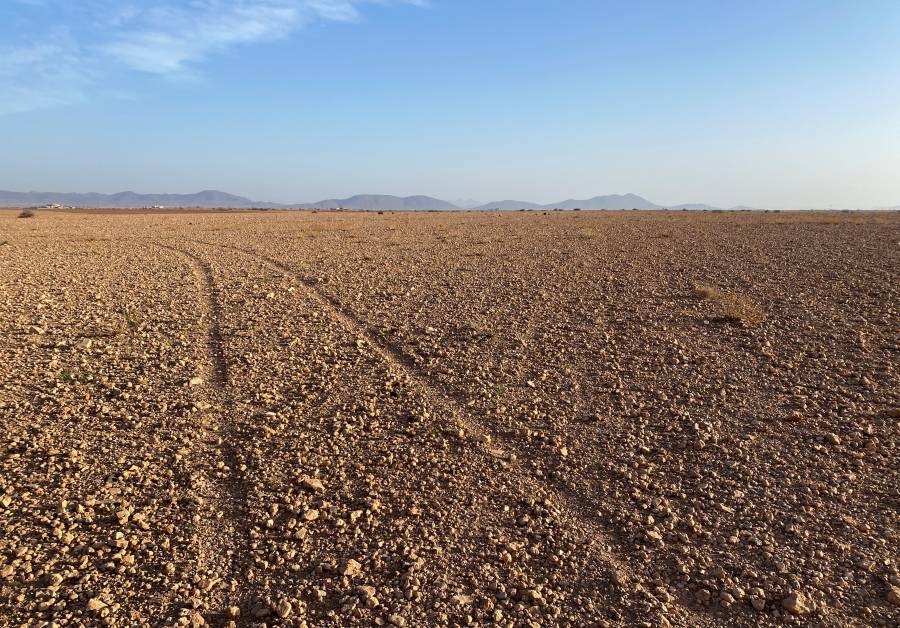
<point>587,233</point>
<point>26,213</point>
<point>736,308</point>
<point>707,292</point>
<point>742,309</point>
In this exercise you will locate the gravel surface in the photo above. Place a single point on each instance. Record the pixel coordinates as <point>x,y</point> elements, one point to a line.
<point>429,419</point>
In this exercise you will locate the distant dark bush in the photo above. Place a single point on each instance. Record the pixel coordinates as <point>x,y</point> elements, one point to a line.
<point>26,213</point>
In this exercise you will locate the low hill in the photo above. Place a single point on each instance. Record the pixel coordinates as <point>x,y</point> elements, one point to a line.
<point>510,205</point>
<point>611,201</point>
<point>382,202</point>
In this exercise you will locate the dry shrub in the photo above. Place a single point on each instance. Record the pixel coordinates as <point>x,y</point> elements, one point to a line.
<point>26,213</point>
<point>740,308</point>
<point>707,292</point>
<point>735,307</point>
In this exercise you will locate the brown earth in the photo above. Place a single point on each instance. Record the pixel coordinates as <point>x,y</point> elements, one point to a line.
<point>528,419</point>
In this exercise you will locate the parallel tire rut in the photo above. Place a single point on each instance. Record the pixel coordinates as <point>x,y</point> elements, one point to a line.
<point>223,533</point>
<point>580,522</point>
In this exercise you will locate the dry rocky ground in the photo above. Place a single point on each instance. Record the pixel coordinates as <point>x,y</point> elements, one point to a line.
<point>529,419</point>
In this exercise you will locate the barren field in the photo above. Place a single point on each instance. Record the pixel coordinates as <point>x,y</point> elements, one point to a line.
<point>432,419</point>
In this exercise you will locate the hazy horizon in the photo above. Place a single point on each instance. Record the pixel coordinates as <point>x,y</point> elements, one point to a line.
<point>774,105</point>
<point>506,204</point>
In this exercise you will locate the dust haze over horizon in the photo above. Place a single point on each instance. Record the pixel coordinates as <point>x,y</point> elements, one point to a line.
<point>775,105</point>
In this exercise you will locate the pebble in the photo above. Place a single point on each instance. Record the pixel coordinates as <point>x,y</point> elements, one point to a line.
<point>95,604</point>
<point>313,484</point>
<point>350,568</point>
<point>796,604</point>
<point>284,609</point>
<point>310,515</point>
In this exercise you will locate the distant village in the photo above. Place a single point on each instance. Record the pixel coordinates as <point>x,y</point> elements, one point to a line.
<point>60,206</point>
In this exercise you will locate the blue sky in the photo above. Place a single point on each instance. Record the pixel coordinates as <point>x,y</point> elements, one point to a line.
<point>785,104</point>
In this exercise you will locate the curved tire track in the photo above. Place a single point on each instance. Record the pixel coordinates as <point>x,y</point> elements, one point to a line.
<point>220,492</point>
<point>573,510</point>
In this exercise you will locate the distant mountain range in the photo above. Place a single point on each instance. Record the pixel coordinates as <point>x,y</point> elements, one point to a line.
<point>215,198</point>
<point>207,198</point>
<point>370,202</point>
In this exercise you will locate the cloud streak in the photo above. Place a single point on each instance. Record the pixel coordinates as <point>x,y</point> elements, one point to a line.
<point>45,74</point>
<point>167,38</point>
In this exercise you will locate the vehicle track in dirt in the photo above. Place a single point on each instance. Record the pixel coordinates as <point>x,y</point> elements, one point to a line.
<point>575,514</point>
<point>212,455</point>
<point>579,342</point>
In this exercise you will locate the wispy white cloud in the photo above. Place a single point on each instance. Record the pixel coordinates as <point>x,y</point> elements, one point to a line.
<point>167,38</point>
<point>43,74</point>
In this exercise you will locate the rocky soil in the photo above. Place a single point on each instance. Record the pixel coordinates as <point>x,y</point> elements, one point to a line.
<point>430,419</point>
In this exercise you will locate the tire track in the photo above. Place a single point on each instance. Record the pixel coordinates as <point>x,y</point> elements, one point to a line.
<point>579,519</point>
<point>219,492</point>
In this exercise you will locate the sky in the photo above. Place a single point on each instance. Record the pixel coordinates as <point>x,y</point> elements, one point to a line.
<point>776,104</point>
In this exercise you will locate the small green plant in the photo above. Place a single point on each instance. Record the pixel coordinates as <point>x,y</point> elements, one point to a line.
<point>133,322</point>
<point>68,377</point>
